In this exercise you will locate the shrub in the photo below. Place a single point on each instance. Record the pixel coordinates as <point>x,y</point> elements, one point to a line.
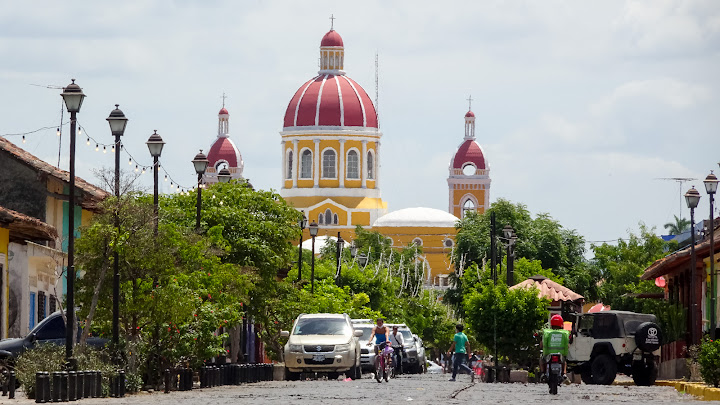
<point>709,359</point>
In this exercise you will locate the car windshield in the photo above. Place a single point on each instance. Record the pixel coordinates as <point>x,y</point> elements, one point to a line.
<point>322,326</point>
<point>366,330</point>
<point>407,336</point>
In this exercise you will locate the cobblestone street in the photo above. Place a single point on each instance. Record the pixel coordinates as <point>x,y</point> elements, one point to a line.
<point>421,389</point>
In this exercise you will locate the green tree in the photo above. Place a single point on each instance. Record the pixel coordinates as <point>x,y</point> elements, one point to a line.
<point>508,318</point>
<point>679,226</point>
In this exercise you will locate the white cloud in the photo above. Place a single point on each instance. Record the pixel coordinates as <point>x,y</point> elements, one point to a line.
<point>670,92</point>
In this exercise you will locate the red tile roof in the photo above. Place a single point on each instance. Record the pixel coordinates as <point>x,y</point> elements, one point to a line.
<point>92,195</point>
<point>680,260</point>
<point>549,289</point>
<point>26,227</point>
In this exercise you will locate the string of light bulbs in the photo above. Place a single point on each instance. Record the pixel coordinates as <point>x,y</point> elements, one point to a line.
<point>23,134</point>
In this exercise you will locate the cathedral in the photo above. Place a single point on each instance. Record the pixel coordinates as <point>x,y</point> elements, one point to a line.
<point>330,150</point>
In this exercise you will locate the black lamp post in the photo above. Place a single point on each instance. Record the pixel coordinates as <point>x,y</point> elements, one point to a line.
<point>224,175</point>
<point>200,162</point>
<point>118,122</point>
<point>339,245</point>
<point>711,184</point>
<point>313,228</point>
<point>155,144</point>
<point>302,223</point>
<point>510,237</point>
<point>692,198</point>
<point>73,97</point>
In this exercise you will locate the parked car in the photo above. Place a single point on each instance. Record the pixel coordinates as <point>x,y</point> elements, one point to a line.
<point>322,343</point>
<point>50,330</point>
<point>608,342</point>
<point>367,354</point>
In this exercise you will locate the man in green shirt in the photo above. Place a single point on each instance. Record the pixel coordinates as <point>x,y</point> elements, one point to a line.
<point>460,347</point>
<point>555,340</point>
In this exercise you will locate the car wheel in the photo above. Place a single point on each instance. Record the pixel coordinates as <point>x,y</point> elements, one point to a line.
<point>586,377</point>
<point>604,370</point>
<point>355,373</point>
<point>290,376</point>
<point>644,374</point>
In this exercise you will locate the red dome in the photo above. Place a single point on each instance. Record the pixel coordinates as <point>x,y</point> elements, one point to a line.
<point>470,114</point>
<point>224,149</point>
<point>342,103</point>
<point>224,111</point>
<point>332,38</point>
<point>469,152</point>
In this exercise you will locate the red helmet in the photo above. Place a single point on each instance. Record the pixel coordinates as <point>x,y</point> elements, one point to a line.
<point>556,320</point>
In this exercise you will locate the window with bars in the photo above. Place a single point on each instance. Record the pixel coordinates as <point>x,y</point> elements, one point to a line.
<point>289,168</point>
<point>370,166</point>
<point>53,304</point>
<point>352,165</point>
<point>328,164</point>
<point>41,306</point>
<point>306,164</point>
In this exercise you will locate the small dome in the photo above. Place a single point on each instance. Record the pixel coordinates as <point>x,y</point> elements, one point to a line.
<point>224,149</point>
<point>469,152</point>
<point>332,38</point>
<point>470,114</point>
<point>417,217</point>
<point>224,111</point>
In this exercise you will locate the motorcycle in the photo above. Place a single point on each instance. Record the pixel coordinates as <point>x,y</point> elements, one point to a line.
<point>554,372</point>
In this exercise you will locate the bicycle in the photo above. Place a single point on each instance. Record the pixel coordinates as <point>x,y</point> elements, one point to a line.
<point>383,363</point>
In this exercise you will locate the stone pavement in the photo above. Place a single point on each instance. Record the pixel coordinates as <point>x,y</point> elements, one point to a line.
<point>418,389</point>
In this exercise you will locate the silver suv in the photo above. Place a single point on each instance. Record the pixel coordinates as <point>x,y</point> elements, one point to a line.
<point>414,359</point>
<point>322,343</point>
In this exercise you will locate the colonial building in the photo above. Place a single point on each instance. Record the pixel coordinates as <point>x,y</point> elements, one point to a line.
<point>330,147</point>
<point>223,152</point>
<point>469,179</point>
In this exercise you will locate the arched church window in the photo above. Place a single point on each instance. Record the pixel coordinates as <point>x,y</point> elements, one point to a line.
<point>328,164</point>
<point>328,217</point>
<point>289,168</point>
<point>306,164</point>
<point>335,219</point>
<point>352,165</point>
<point>468,205</point>
<point>321,219</point>
<point>370,166</point>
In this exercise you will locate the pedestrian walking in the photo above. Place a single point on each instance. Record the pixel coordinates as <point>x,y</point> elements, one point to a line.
<point>459,349</point>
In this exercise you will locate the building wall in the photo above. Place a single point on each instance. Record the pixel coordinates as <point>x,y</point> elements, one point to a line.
<point>20,188</point>
<point>18,299</point>
<point>4,287</point>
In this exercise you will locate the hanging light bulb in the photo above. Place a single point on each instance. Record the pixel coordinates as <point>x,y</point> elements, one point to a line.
<point>113,148</point>
<point>104,149</point>
<point>97,148</point>
<point>79,131</point>
<point>23,138</point>
<point>136,168</point>
<point>143,170</point>
<point>130,161</point>
<point>88,142</point>
<point>58,131</point>
<point>166,177</point>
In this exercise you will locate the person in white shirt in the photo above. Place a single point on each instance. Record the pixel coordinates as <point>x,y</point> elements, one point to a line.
<point>397,342</point>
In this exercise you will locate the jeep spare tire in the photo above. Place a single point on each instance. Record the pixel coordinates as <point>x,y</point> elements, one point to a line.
<point>648,336</point>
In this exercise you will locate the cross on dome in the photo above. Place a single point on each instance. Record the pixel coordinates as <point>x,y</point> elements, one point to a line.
<point>470,103</point>
<point>332,21</point>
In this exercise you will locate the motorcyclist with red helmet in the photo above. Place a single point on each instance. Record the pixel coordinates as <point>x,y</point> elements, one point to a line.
<point>555,340</point>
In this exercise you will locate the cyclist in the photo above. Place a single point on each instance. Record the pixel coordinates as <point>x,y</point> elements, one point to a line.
<point>397,342</point>
<point>555,340</point>
<point>381,333</point>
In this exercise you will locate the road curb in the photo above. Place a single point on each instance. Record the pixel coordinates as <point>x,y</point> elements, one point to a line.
<point>697,389</point>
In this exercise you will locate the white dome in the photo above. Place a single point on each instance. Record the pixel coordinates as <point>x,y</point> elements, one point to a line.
<point>417,217</point>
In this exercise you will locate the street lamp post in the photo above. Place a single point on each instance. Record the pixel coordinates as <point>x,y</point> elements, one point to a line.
<point>302,223</point>
<point>200,162</point>
<point>493,267</point>
<point>155,144</point>
<point>340,242</point>
<point>118,122</point>
<point>692,198</point>
<point>711,184</point>
<point>313,228</point>
<point>73,97</point>
<point>510,237</point>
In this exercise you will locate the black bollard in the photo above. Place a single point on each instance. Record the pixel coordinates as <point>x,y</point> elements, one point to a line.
<point>121,385</point>
<point>39,387</point>
<point>46,382</point>
<point>72,386</point>
<point>98,384</point>
<point>64,386</point>
<point>182,377</point>
<point>11,385</point>
<point>89,383</point>
<point>80,389</point>
<point>167,380</point>
<point>5,384</point>
<point>243,373</point>
<point>56,378</point>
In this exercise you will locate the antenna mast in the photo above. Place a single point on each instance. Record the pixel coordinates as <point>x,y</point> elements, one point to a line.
<point>680,181</point>
<point>377,106</point>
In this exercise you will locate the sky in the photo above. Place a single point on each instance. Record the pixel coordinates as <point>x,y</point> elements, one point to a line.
<point>582,107</point>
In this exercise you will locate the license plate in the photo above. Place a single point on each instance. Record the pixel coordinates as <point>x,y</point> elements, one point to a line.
<point>555,367</point>
<point>318,357</point>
